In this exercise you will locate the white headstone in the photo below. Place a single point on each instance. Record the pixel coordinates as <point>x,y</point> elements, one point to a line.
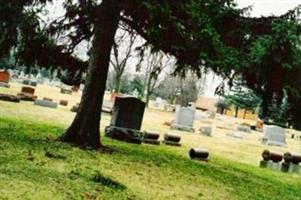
<point>184,118</point>
<point>274,135</point>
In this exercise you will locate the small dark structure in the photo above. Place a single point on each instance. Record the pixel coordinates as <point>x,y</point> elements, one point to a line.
<point>47,99</point>
<point>10,98</point>
<point>272,156</point>
<point>171,139</point>
<point>27,94</point>
<point>66,91</point>
<point>63,102</point>
<point>199,154</point>
<point>75,108</point>
<point>126,120</point>
<point>292,158</point>
<point>291,163</point>
<point>151,138</point>
<point>269,156</point>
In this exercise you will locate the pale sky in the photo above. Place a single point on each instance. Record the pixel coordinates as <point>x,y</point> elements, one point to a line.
<point>269,7</point>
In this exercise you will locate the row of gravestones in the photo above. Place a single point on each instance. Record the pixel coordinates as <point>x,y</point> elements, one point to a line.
<point>127,116</point>
<point>271,160</point>
<point>27,94</point>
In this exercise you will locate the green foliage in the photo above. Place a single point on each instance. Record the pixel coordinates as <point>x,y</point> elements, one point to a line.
<point>242,98</point>
<point>222,105</point>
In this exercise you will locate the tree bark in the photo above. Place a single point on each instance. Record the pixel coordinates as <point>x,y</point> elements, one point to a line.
<point>236,111</point>
<point>245,113</point>
<point>84,130</point>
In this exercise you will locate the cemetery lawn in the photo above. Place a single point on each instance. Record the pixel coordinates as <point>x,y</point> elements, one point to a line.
<point>33,165</point>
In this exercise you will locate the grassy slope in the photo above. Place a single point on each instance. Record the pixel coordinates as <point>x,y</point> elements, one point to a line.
<point>130,172</point>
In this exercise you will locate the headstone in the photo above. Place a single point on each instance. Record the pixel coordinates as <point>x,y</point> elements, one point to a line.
<point>159,103</point>
<point>184,119</point>
<point>244,128</point>
<point>27,90</point>
<point>172,139</point>
<point>66,91</point>
<point>294,168</point>
<point>199,154</point>
<point>63,102</point>
<point>34,83</point>
<point>4,77</point>
<point>26,82</point>
<point>27,94</point>
<point>206,130</point>
<point>126,120</point>
<point>235,135</point>
<point>151,137</point>
<point>45,103</point>
<point>274,135</point>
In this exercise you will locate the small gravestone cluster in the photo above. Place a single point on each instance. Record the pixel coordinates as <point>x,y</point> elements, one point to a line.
<point>272,160</point>
<point>32,83</point>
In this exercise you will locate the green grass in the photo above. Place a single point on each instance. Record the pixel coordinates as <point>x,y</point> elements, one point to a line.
<point>33,165</point>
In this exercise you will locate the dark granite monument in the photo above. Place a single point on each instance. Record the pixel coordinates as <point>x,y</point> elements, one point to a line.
<point>126,120</point>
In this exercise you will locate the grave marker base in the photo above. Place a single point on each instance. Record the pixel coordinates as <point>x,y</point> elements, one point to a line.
<point>172,143</point>
<point>150,141</point>
<point>124,134</point>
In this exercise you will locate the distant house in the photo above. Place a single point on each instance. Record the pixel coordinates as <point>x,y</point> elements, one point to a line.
<point>206,103</point>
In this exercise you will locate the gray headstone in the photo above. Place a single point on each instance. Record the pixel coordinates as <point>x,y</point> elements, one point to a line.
<point>274,135</point>
<point>295,169</point>
<point>206,130</point>
<point>244,128</point>
<point>45,103</point>
<point>184,118</point>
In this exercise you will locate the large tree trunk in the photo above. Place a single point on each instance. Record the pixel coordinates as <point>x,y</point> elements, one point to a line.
<point>84,130</point>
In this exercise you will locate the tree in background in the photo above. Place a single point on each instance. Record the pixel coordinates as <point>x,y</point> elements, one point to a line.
<point>242,98</point>
<point>177,88</point>
<point>222,105</point>
<point>154,63</point>
<point>120,56</point>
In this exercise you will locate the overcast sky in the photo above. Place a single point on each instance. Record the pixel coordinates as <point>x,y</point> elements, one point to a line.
<point>269,7</point>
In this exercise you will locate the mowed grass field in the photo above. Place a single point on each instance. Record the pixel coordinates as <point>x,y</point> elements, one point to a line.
<point>34,165</point>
